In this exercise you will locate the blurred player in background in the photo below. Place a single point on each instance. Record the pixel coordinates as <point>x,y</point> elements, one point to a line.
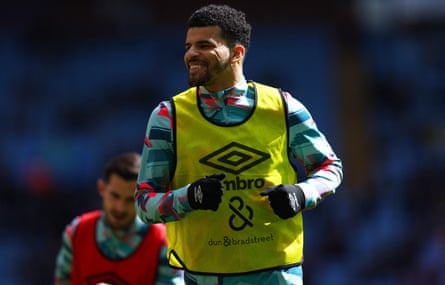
<point>111,245</point>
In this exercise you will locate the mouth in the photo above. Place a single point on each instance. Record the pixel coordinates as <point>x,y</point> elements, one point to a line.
<point>118,217</point>
<point>195,67</point>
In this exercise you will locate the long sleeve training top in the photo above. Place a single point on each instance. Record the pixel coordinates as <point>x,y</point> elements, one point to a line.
<point>156,202</point>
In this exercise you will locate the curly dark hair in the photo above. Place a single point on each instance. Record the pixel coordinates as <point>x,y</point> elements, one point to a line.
<point>235,29</point>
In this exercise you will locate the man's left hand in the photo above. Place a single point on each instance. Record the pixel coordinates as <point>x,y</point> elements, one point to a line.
<point>286,200</point>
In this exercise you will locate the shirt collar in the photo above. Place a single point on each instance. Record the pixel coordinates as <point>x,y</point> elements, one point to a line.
<point>240,87</point>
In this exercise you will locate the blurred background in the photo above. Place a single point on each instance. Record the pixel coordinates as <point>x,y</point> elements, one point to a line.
<point>78,80</point>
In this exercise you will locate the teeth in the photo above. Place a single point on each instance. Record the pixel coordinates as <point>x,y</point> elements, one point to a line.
<point>194,67</point>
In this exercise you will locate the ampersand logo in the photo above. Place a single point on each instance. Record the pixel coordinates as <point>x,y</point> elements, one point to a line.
<point>242,214</point>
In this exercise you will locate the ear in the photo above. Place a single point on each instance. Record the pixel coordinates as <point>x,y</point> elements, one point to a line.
<point>238,52</point>
<point>100,186</point>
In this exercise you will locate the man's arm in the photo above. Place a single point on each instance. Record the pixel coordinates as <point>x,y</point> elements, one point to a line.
<point>310,147</point>
<point>62,272</point>
<point>154,200</point>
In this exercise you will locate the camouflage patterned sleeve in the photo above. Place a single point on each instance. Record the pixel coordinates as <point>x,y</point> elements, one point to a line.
<point>310,147</point>
<point>155,202</point>
<point>62,272</point>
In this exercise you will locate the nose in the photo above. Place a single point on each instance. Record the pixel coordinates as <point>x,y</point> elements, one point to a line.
<point>121,206</point>
<point>191,52</point>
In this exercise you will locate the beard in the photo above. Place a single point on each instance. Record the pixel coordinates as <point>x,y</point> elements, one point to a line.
<point>209,76</point>
<point>201,80</point>
<point>118,221</point>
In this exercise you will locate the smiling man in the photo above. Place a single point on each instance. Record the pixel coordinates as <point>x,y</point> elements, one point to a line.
<point>216,167</point>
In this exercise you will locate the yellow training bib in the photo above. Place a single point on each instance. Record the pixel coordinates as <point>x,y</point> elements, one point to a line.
<point>244,234</point>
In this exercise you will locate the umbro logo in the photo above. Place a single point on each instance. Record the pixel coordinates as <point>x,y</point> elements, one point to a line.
<point>234,158</point>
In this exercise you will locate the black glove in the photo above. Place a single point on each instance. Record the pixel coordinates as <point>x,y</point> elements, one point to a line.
<point>286,200</point>
<point>206,192</point>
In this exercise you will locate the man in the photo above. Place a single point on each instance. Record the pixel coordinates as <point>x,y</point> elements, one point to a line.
<point>112,246</point>
<point>216,168</point>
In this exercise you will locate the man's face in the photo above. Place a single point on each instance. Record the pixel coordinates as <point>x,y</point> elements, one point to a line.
<point>118,201</point>
<point>207,58</point>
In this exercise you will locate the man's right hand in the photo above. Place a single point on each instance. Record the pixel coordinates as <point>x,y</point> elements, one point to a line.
<point>206,192</point>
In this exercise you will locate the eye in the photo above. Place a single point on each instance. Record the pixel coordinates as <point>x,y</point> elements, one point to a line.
<point>114,195</point>
<point>205,46</point>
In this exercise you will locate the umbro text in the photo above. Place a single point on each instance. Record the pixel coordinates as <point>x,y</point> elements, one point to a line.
<point>243,184</point>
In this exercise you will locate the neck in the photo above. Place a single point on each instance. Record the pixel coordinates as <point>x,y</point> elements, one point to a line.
<point>235,77</point>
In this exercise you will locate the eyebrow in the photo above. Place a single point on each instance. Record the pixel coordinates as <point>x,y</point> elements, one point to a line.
<point>201,42</point>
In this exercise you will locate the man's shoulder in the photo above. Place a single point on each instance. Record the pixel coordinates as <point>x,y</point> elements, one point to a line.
<point>158,228</point>
<point>90,216</point>
<point>264,86</point>
<point>85,217</point>
<point>156,233</point>
<point>81,220</point>
<point>186,92</point>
